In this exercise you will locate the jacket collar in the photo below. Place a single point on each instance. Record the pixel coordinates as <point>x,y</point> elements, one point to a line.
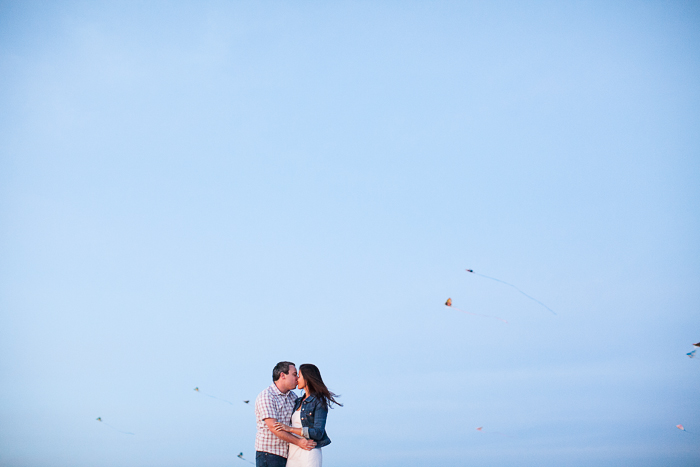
<point>309,399</point>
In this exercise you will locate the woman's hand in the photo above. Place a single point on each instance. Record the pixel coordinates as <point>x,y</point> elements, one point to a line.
<point>281,427</point>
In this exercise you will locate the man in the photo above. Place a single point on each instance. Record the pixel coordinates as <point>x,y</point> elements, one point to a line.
<point>273,404</point>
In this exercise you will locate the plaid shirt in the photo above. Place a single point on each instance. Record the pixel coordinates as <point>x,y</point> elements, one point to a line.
<point>271,403</point>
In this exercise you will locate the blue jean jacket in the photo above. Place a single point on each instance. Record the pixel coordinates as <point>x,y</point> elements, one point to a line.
<point>313,420</point>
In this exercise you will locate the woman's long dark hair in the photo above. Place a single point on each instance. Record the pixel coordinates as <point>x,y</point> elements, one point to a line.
<point>315,385</point>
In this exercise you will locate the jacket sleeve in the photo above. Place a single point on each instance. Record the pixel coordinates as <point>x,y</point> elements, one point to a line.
<point>317,431</point>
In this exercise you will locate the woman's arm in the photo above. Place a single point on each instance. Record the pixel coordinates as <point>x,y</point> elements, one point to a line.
<point>317,431</point>
<point>282,427</point>
<point>307,444</point>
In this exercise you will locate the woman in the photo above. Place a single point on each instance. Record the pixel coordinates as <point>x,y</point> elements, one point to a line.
<point>309,417</point>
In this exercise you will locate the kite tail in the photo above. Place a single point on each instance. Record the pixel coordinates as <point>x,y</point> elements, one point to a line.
<point>511,285</point>
<point>116,429</point>
<point>478,314</point>
<point>217,398</point>
<point>481,430</point>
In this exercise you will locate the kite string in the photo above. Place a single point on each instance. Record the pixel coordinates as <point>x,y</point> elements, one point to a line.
<point>478,314</point>
<point>120,431</point>
<point>481,430</point>
<point>214,397</point>
<point>511,285</point>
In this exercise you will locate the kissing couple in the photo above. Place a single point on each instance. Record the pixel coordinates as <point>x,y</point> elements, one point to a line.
<point>291,430</point>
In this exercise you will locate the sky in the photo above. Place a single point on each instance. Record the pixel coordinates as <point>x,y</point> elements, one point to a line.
<point>191,192</point>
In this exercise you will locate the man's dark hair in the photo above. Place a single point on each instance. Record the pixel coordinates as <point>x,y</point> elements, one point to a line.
<point>281,367</point>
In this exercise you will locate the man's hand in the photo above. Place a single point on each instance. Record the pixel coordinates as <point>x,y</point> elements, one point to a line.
<point>306,444</point>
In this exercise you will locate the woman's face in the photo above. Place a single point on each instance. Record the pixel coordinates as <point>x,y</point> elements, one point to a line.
<point>301,382</point>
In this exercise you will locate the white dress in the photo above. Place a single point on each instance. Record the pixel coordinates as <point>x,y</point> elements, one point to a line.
<point>299,457</point>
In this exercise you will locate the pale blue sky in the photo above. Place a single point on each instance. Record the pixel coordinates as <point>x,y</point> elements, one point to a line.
<point>193,191</point>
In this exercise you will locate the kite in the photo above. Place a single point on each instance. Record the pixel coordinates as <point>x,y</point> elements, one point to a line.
<point>691,354</point>
<point>511,285</point>
<point>213,397</point>
<point>99,419</point>
<point>240,456</point>
<point>680,427</point>
<point>449,303</point>
<point>245,402</point>
<point>697,345</point>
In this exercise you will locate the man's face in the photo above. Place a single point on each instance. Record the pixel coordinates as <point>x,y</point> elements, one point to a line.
<point>290,380</point>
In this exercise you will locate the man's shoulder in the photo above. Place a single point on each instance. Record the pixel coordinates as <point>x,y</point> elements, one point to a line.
<point>272,391</point>
<point>267,392</point>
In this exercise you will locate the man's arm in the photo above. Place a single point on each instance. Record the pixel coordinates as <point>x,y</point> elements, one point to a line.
<point>307,444</point>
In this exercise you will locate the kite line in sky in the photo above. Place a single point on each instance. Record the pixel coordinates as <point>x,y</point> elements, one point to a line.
<point>449,303</point>
<point>214,397</point>
<point>99,419</point>
<point>511,285</point>
<point>217,398</point>
<point>481,430</point>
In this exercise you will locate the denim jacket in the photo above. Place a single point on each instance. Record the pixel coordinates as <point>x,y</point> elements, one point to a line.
<point>313,420</point>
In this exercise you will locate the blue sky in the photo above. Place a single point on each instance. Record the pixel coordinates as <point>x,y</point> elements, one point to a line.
<point>191,192</point>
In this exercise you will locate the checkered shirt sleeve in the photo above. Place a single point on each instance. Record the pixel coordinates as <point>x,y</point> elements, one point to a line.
<point>271,403</point>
